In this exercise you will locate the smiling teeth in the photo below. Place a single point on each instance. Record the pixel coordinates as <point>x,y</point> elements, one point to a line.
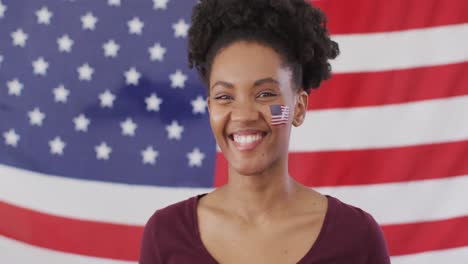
<point>247,139</point>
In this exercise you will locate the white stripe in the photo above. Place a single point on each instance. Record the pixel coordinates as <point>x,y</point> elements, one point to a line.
<point>15,252</point>
<point>401,49</point>
<point>83,199</point>
<point>397,203</point>
<point>423,122</point>
<point>128,204</point>
<point>452,256</point>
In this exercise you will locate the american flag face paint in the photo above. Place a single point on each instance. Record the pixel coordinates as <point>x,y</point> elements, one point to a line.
<point>279,114</point>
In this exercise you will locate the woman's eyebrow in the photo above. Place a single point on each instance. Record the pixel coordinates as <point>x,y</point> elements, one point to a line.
<point>265,80</point>
<point>256,83</point>
<point>223,83</point>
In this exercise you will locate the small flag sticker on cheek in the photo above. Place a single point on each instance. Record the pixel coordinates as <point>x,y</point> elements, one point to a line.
<point>279,114</point>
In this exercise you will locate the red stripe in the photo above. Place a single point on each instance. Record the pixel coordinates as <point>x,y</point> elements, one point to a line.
<point>371,166</point>
<point>389,87</point>
<point>221,170</point>
<point>413,238</point>
<point>364,16</point>
<point>122,242</point>
<point>70,235</point>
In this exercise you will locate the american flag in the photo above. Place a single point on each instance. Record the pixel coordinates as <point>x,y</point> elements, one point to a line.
<point>102,123</point>
<point>279,114</point>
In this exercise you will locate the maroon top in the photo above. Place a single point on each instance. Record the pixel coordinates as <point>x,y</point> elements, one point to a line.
<point>348,235</point>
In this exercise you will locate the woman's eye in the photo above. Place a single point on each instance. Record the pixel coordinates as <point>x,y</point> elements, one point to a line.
<point>266,94</point>
<point>223,97</point>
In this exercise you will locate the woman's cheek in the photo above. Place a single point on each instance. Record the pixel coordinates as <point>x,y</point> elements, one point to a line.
<point>217,114</point>
<point>218,118</point>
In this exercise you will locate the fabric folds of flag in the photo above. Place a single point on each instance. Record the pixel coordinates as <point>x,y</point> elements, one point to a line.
<point>102,123</point>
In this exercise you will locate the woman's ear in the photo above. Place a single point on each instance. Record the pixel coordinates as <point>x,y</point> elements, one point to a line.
<point>300,109</point>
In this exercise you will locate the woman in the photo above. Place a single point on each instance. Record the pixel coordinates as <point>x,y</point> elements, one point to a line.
<point>259,59</point>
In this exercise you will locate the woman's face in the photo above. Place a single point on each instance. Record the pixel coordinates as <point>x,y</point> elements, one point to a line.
<point>246,78</point>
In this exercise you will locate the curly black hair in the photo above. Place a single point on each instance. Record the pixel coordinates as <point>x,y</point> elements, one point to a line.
<point>295,29</point>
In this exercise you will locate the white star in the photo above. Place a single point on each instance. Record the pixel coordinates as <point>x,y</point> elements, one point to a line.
<point>174,130</point>
<point>153,102</point>
<point>135,26</point>
<point>132,76</point>
<point>160,4</point>
<point>40,66</point>
<point>85,72</point>
<point>103,151</point>
<point>36,117</point>
<point>149,155</point>
<point>88,21</point>
<point>128,127</point>
<point>180,28</point>
<point>11,138</point>
<point>110,48</point>
<point>195,158</point>
<point>15,87</point>
<point>178,79</point>
<point>3,8</point>
<point>61,94</point>
<point>107,99</point>
<point>157,52</point>
<point>81,123</point>
<point>65,43</point>
<point>199,105</point>
<point>19,37</point>
<point>113,2</point>
<point>44,16</point>
<point>56,146</point>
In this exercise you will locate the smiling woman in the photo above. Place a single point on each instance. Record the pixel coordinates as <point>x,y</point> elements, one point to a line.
<point>240,112</point>
<point>259,60</point>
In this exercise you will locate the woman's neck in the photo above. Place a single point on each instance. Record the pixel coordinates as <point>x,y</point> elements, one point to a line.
<point>259,198</point>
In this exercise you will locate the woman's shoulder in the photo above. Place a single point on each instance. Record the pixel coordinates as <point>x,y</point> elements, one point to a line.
<point>347,215</point>
<point>345,208</point>
<point>180,211</point>
<point>168,228</point>
<point>356,227</point>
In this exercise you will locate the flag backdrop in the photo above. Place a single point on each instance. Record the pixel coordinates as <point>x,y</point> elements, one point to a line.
<point>102,123</point>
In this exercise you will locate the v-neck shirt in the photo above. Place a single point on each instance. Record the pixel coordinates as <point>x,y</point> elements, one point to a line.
<point>348,235</point>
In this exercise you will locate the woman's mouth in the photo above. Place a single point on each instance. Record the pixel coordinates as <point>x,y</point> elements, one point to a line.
<point>244,141</point>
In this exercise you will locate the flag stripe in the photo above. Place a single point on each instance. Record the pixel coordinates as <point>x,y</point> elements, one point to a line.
<point>402,205</point>
<point>106,202</point>
<point>121,242</point>
<point>390,87</point>
<point>387,165</point>
<point>452,256</point>
<point>98,239</point>
<point>412,238</point>
<point>401,49</point>
<point>14,251</point>
<point>415,123</point>
<point>87,200</point>
<point>383,14</point>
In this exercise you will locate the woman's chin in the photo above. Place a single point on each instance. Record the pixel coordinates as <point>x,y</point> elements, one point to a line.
<point>248,168</point>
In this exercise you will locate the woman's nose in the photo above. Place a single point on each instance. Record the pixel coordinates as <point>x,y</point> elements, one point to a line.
<point>244,111</point>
